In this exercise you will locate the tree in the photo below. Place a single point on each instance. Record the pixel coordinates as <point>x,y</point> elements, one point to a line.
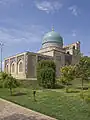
<point>8,81</point>
<point>3,76</point>
<point>34,95</point>
<point>87,59</point>
<point>11,83</point>
<point>67,75</point>
<point>82,70</point>
<point>46,71</point>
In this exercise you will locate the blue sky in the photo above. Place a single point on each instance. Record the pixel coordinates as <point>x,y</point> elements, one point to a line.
<point>24,22</point>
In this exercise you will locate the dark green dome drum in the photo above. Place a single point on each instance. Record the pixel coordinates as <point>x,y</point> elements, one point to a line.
<point>52,39</point>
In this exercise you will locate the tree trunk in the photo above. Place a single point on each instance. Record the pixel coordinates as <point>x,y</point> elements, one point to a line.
<point>67,87</point>
<point>82,84</point>
<point>11,91</point>
<point>82,89</point>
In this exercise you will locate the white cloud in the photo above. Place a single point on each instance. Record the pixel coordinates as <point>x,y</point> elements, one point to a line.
<point>74,10</point>
<point>5,2</point>
<point>48,6</point>
<point>26,34</point>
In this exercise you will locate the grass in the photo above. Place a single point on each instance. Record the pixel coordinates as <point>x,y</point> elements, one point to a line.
<point>55,103</point>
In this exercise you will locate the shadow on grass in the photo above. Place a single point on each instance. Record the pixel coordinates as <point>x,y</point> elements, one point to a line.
<point>72,91</point>
<point>19,94</point>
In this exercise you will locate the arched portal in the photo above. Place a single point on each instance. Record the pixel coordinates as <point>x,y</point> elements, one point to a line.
<point>13,67</point>
<point>20,66</point>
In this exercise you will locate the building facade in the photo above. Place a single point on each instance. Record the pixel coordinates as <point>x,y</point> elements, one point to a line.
<point>23,65</point>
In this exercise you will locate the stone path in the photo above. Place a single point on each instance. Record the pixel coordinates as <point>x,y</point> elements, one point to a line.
<point>11,111</point>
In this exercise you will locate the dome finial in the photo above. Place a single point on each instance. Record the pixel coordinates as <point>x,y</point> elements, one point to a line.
<point>53,28</point>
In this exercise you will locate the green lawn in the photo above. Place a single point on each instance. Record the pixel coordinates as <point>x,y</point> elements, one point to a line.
<point>57,104</point>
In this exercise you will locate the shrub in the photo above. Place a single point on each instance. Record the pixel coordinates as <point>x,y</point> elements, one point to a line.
<point>46,63</point>
<point>11,83</point>
<point>47,78</point>
<point>7,81</point>
<point>71,90</point>
<point>46,71</point>
<point>3,76</point>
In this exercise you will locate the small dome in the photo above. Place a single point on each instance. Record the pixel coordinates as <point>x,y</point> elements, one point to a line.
<point>52,37</point>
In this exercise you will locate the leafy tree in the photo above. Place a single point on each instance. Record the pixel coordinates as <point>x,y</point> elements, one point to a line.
<point>3,76</point>
<point>8,81</point>
<point>87,59</point>
<point>46,71</point>
<point>82,70</point>
<point>67,75</point>
<point>11,83</point>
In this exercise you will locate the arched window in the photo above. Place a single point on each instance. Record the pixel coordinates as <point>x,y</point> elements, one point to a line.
<point>13,68</point>
<point>21,67</point>
<point>68,52</point>
<point>74,47</point>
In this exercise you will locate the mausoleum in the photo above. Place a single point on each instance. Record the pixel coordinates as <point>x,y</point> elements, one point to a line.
<point>23,65</point>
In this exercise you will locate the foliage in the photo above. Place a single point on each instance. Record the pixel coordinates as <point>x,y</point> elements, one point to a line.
<point>88,62</point>
<point>7,81</point>
<point>47,77</point>
<point>67,75</point>
<point>46,70</point>
<point>82,70</point>
<point>3,76</point>
<point>46,63</point>
<point>72,90</point>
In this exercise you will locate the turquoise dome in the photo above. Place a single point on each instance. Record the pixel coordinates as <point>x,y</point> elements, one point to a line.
<point>52,37</point>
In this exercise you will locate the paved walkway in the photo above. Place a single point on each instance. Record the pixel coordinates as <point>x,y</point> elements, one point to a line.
<point>11,111</point>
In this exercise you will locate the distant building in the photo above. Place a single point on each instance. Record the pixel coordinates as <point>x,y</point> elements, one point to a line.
<point>23,66</point>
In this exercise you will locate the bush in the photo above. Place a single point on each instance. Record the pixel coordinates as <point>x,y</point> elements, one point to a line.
<point>71,90</point>
<point>47,78</point>
<point>3,77</point>
<point>46,71</point>
<point>10,82</point>
<point>7,81</point>
<point>46,63</point>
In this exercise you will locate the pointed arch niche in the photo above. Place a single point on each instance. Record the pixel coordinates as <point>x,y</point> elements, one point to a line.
<point>7,68</point>
<point>20,66</point>
<point>13,67</point>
